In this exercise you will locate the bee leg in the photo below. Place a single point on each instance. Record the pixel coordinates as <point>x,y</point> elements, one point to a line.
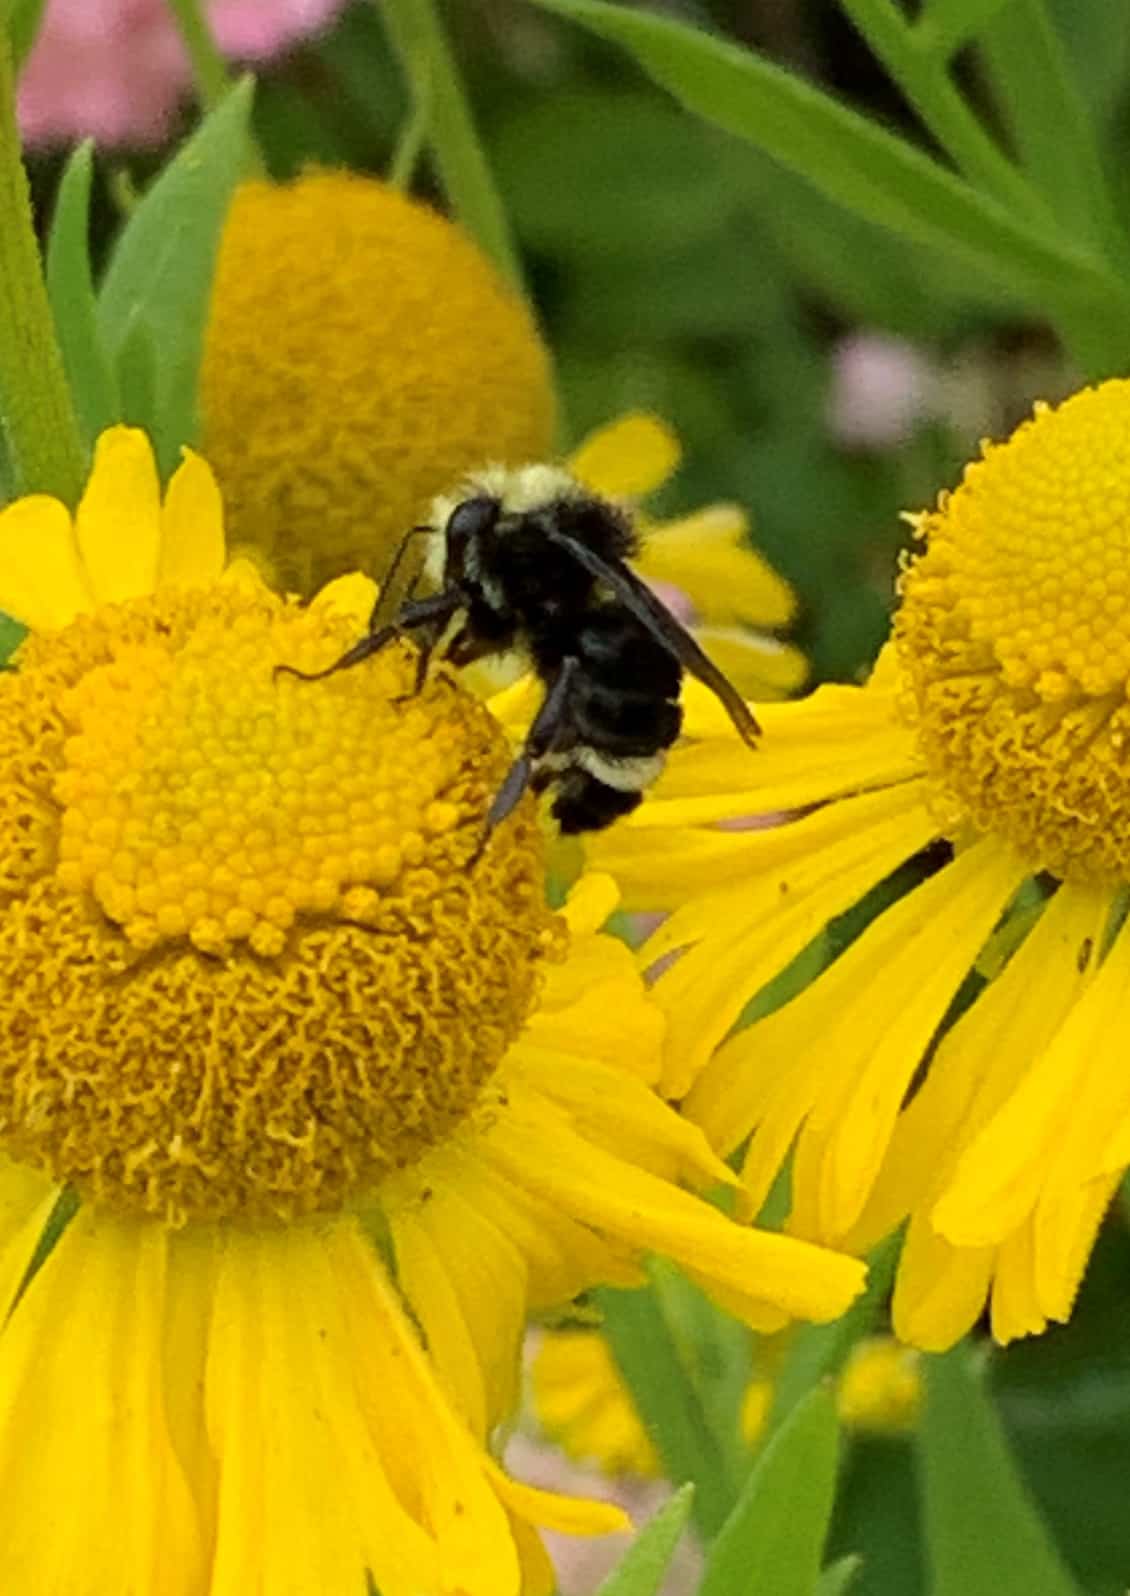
<point>433,612</point>
<point>547,726</point>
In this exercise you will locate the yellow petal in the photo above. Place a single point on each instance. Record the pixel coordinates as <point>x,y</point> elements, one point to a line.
<point>863,1027</point>
<point>295,1455</point>
<point>352,595</point>
<point>983,1059</point>
<point>707,556</point>
<point>568,1515</point>
<point>192,527</point>
<point>27,1197</point>
<point>94,1496</point>
<point>42,582</point>
<point>537,1148</point>
<point>940,1290</point>
<point>118,522</point>
<point>590,902</point>
<point>759,666</point>
<point>628,458</point>
<point>598,995</point>
<point>1050,1131</point>
<point>738,938</point>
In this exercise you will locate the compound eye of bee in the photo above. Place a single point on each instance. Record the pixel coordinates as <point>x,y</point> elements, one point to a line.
<point>472,518</point>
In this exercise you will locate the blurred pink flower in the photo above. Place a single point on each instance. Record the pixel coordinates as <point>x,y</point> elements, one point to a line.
<point>881,388</point>
<point>116,69</point>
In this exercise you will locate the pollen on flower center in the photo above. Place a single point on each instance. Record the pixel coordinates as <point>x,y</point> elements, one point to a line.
<point>1014,634</point>
<point>250,968</point>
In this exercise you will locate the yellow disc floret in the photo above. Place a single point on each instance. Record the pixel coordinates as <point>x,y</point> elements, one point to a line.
<point>362,355</point>
<point>250,959</point>
<point>1014,634</point>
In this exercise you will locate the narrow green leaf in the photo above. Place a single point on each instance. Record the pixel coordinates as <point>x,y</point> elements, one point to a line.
<point>984,1535</point>
<point>24,17</point>
<point>70,288</point>
<point>851,159</point>
<point>773,1542</point>
<point>1051,119</point>
<point>945,25</point>
<point>160,275</point>
<point>137,377</point>
<point>667,1400</point>
<point>838,1578</point>
<point>648,1558</point>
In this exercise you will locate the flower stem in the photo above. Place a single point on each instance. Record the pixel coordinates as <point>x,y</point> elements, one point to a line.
<point>418,35</point>
<point>44,448</point>
<point>209,69</point>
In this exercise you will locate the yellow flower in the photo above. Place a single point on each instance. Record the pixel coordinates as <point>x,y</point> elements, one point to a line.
<point>991,745</point>
<point>362,354</point>
<point>317,1084</point>
<point>582,1404</point>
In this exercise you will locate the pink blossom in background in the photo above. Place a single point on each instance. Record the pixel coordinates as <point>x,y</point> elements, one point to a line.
<point>881,388</point>
<point>116,69</point>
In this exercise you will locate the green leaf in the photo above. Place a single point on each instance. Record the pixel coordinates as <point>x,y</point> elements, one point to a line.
<point>12,634</point>
<point>773,1542</point>
<point>984,1535</point>
<point>160,276</point>
<point>70,288</point>
<point>136,374</point>
<point>854,161</point>
<point>837,1579</point>
<point>23,17</point>
<point>668,1402</point>
<point>945,25</point>
<point>646,1562</point>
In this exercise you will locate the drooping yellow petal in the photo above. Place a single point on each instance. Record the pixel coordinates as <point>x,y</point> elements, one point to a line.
<point>628,458</point>
<point>42,582</point>
<point>94,1497</point>
<point>841,740</point>
<point>568,1515</point>
<point>738,939</point>
<point>1049,1133</point>
<point>537,1147</point>
<point>118,521</point>
<point>759,666</point>
<point>863,1026</point>
<point>940,1290</point>
<point>708,556</point>
<point>983,1059</point>
<point>192,527</point>
<point>597,994</point>
<point>432,1459</point>
<point>304,1500</point>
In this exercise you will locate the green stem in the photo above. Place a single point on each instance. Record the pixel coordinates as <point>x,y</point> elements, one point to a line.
<point>924,79</point>
<point>410,144</point>
<point>418,35</point>
<point>209,69</point>
<point>36,413</point>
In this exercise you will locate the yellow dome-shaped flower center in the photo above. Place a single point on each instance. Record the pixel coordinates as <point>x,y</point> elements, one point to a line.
<point>250,963</point>
<point>1014,633</point>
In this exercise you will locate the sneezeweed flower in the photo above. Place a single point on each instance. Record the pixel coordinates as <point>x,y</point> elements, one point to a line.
<point>581,1403</point>
<point>317,1084</point>
<point>996,723</point>
<point>362,354</point>
<point>116,70</point>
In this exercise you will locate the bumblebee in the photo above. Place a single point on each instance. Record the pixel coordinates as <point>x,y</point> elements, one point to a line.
<point>530,560</point>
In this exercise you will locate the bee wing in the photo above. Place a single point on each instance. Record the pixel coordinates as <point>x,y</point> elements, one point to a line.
<point>656,619</point>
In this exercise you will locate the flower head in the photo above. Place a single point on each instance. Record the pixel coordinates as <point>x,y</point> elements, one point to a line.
<point>396,361</point>
<point>979,780</point>
<point>115,70</point>
<point>320,1078</point>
